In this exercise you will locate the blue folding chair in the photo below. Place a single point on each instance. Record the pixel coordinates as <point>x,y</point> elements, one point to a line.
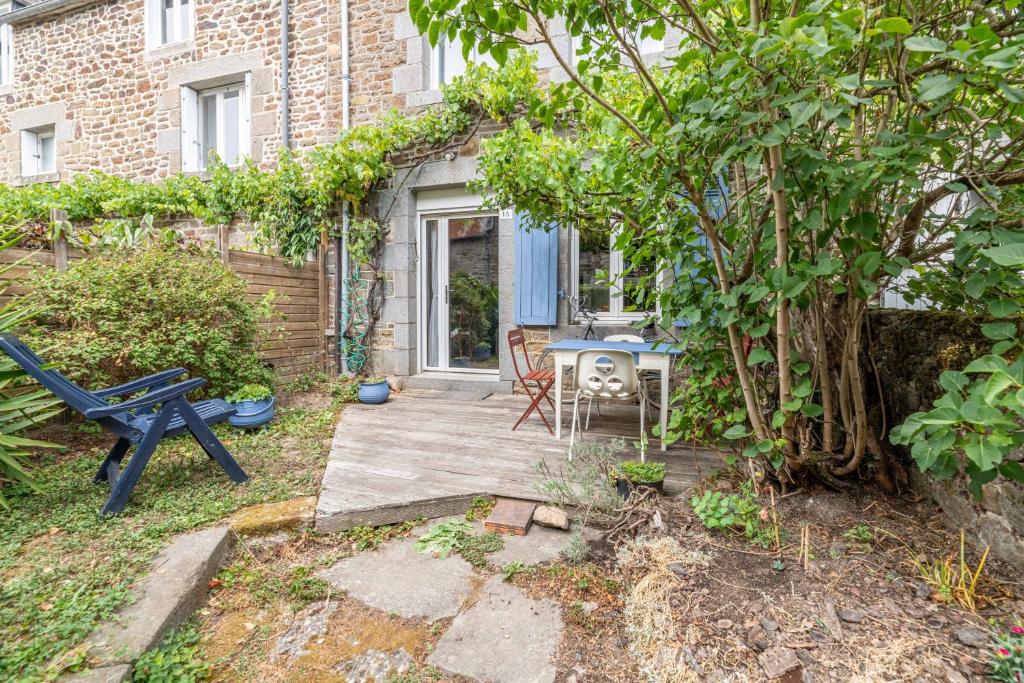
<point>135,422</point>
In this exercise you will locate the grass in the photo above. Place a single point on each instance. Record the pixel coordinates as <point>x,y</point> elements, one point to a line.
<point>64,570</point>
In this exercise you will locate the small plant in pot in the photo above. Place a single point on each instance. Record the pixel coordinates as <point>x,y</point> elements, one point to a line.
<point>633,474</point>
<point>374,390</point>
<point>254,406</point>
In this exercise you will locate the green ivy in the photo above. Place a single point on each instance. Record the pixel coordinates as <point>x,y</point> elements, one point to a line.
<point>292,204</point>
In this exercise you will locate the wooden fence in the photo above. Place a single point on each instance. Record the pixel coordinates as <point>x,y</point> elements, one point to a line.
<point>299,348</point>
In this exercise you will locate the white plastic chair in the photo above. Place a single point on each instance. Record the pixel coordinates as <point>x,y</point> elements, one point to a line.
<point>607,374</point>
<point>630,338</point>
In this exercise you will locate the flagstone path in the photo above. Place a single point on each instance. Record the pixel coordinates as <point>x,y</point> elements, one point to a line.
<point>498,633</point>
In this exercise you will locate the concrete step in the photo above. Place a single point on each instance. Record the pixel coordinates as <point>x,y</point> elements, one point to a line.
<point>457,382</point>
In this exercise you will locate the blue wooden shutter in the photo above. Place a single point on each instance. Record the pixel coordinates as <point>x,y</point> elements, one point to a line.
<point>536,282</point>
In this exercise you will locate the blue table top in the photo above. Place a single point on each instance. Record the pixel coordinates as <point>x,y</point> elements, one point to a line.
<point>632,347</point>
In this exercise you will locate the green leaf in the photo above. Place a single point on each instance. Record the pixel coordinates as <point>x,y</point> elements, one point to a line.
<point>986,364</point>
<point>894,25</point>
<point>934,87</point>
<point>1012,470</point>
<point>760,355</point>
<point>997,331</point>
<point>953,380</point>
<point>982,452</point>
<point>736,432</point>
<point>1006,254</point>
<point>925,44</point>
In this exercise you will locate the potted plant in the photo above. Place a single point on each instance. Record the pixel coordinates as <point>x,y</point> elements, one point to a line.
<point>633,474</point>
<point>254,406</point>
<point>482,351</point>
<point>374,390</point>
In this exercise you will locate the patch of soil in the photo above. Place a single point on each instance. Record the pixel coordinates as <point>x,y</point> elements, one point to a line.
<point>855,609</point>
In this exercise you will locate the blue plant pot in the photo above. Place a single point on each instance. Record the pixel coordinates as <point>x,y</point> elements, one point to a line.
<point>481,354</point>
<point>252,414</point>
<point>374,392</point>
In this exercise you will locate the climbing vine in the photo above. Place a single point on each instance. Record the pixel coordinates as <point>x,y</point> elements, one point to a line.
<point>292,204</point>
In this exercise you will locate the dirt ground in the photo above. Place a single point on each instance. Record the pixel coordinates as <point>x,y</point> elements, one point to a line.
<point>686,604</point>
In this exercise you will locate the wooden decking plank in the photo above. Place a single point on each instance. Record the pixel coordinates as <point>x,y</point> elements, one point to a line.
<point>429,456</point>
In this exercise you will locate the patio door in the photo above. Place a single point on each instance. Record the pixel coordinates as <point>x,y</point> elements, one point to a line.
<point>459,293</point>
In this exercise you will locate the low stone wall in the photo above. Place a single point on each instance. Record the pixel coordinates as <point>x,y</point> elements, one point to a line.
<point>910,350</point>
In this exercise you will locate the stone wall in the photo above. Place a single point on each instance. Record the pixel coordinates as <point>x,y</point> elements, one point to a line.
<point>115,105</point>
<point>911,350</point>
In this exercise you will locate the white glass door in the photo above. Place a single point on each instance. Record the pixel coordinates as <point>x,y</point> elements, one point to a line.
<point>459,293</point>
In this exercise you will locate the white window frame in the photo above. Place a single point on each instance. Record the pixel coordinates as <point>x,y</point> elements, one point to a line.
<point>616,265</point>
<point>437,52</point>
<point>155,23</point>
<point>6,55</point>
<point>32,151</point>
<point>192,123</point>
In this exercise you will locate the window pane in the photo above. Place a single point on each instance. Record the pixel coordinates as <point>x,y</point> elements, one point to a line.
<point>432,291</point>
<point>167,22</point>
<point>453,64</point>
<point>208,119</point>
<point>232,127</point>
<point>594,264</point>
<point>47,156</point>
<point>184,25</point>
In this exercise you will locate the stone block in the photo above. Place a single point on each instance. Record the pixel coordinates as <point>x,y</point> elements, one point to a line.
<point>104,674</point>
<point>407,78</point>
<point>404,27</point>
<point>168,140</point>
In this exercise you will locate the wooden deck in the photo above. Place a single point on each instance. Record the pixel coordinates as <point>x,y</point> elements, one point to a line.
<point>429,453</point>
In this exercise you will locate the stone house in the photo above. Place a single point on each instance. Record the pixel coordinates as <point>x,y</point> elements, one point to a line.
<point>147,88</point>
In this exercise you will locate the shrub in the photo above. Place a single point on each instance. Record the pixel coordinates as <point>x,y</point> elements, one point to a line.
<point>640,472</point>
<point>114,318</point>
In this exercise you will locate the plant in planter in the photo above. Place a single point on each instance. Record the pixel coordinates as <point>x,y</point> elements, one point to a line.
<point>374,390</point>
<point>633,474</point>
<point>254,404</point>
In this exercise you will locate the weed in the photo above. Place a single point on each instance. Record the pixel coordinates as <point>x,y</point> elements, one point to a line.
<point>456,535</point>
<point>305,382</point>
<point>952,580</point>
<point>640,472</point>
<point>346,391</point>
<point>725,512</point>
<point>861,533</point>
<point>512,570</point>
<point>474,549</point>
<point>416,674</point>
<point>480,508</point>
<point>443,539</point>
<point>178,658</point>
<point>306,588</point>
<point>370,538</point>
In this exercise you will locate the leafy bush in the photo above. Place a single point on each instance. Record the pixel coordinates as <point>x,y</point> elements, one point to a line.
<point>250,392</point>
<point>114,318</point>
<point>456,535</point>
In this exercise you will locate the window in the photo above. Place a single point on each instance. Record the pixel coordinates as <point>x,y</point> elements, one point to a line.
<point>600,276</point>
<point>38,152</point>
<point>6,54</point>
<point>168,22</point>
<point>447,61</point>
<point>215,120</point>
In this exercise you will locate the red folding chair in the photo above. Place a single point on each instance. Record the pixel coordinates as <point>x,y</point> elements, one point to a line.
<point>542,379</point>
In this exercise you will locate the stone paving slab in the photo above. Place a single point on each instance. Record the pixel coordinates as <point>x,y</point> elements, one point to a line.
<point>541,544</point>
<point>506,637</point>
<point>178,582</point>
<point>395,578</point>
<point>104,674</point>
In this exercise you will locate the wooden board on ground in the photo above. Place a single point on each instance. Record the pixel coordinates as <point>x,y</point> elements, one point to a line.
<point>511,516</point>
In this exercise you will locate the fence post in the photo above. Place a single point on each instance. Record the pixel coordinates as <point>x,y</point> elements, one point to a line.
<point>224,237</point>
<point>322,298</point>
<point>59,217</point>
